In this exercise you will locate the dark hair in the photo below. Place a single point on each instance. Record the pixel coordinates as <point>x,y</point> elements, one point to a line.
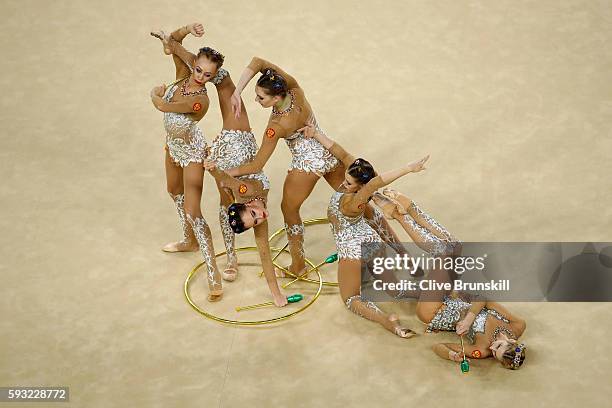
<point>514,357</point>
<point>213,55</point>
<point>362,171</point>
<point>273,83</point>
<point>234,213</point>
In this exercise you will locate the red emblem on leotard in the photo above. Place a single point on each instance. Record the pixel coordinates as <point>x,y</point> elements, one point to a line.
<point>197,106</point>
<point>270,133</point>
<point>476,354</point>
<point>242,189</point>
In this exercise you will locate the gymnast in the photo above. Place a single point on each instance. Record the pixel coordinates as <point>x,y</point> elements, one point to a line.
<point>234,146</point>
<point>248,209</point>
<point>491,328</point>
<point>310,160</point>
<point>350,229</point>
<point>184,104</point>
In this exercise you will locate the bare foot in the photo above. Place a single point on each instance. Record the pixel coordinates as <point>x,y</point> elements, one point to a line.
<point>388,206</point>
<point>403,202</point>
<point>397,329</point>
<point>181,246</point>
<point>164,39</point>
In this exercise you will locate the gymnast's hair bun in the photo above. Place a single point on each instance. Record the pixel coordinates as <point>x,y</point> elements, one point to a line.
<point>234,213</point>
<point>362,171</point>
<point>273,83</point>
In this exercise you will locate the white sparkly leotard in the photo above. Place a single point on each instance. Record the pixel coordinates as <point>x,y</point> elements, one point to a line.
<point>455,309</point>
<point>184,139</point>
<point>233,148</point>
<point>349,232</point>
<point>308,155</point>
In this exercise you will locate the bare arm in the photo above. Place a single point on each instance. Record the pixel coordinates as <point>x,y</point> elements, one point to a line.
<point>261,65</point>
<point>453,352</point>
<point>334,148</point>
<point>273,133</point>
<point>263,246</point>
<point>256,65</point>
<point>178,51</point>
<point>240,190</point>
<point>197,104</point>
<point>356,202</point>
<point>183,60</point>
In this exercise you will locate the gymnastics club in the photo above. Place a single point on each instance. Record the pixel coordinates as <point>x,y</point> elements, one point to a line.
<point>291,299</point>
<point>276,256</point>
<point>330,259</point>
<point>465,365</point>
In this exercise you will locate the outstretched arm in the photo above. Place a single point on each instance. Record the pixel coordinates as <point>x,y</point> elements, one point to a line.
<point>356,202</point>
<point>453,352</point>
<point>263,246</point>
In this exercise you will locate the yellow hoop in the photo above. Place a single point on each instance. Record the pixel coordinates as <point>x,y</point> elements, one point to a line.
<point>312,221</point>
<point>247,322</point>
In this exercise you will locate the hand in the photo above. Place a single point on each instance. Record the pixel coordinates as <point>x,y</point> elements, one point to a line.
<point>159,90</point>
<point>464,325</point>
<point>196,29</point>
<point>456,356</point>
<point>209,165</point>
<point>280,300</point>
<point>236,104</point>
<point>418,165</point>
<point>309,131</point>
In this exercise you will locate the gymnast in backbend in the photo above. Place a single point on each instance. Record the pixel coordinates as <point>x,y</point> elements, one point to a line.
<point>248,209</point>
<point>234,146</point>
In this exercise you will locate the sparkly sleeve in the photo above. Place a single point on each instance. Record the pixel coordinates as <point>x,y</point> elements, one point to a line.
<point>220,76</point>
<point>260,65</point>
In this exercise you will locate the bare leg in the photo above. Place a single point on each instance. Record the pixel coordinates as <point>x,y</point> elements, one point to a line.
<point>231,270</point>
<point>349,281</point>
<point>335,177</point>
<point>174,181</point>
<point>431,300</point>
<point>422,218</point>
<point>298,186</point>
<point>193,179</point>
<point>425,236</point>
